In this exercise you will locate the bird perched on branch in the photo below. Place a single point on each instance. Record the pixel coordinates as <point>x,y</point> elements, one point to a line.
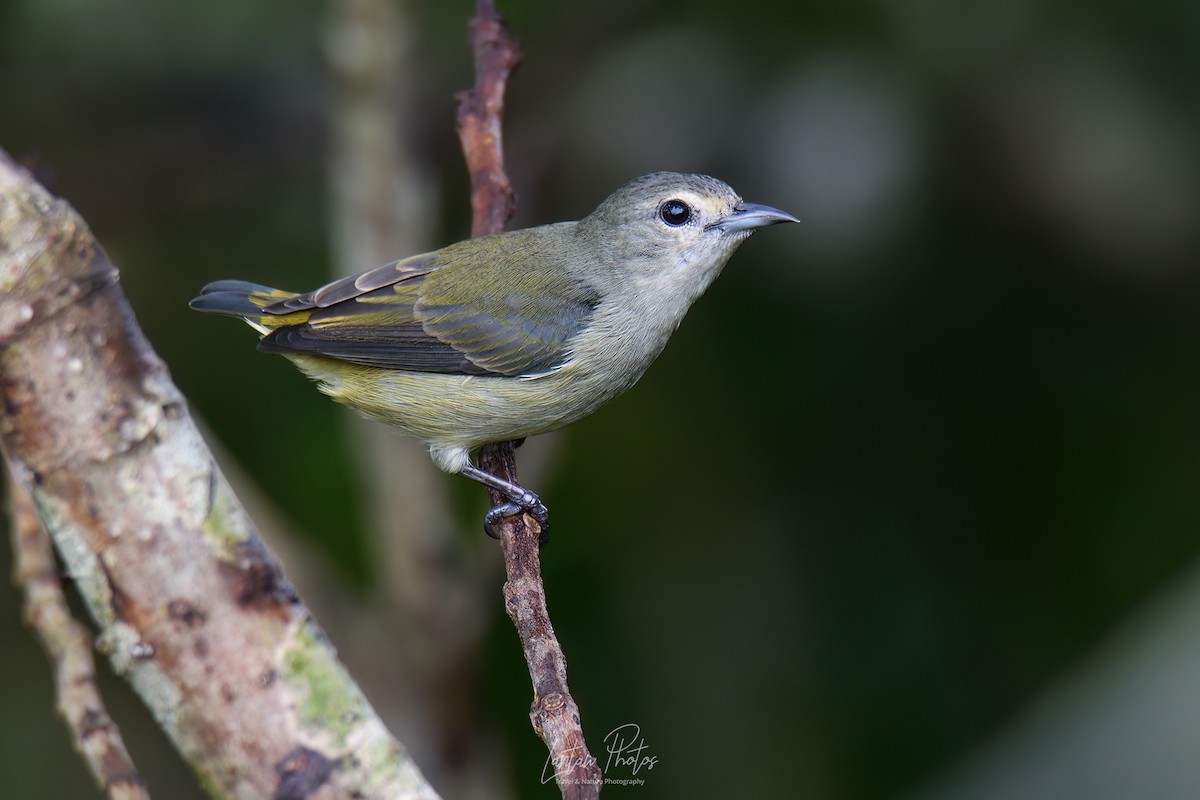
<point>513,334</point>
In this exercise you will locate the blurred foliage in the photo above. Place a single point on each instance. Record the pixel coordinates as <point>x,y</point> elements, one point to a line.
<point>903,466</point>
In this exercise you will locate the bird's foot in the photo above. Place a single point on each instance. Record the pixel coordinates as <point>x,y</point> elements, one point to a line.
<point>520,501</point>
<point>528,503</point>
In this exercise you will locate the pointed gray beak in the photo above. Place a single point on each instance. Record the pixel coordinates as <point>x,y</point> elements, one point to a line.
<point>748,216</point>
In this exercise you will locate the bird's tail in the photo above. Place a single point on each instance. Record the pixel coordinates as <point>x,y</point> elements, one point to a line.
<point>248,301</point>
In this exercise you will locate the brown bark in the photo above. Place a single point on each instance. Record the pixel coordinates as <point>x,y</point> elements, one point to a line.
<point>554,713</point>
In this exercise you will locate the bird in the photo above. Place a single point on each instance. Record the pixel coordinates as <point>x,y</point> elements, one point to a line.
<point>513,334</point>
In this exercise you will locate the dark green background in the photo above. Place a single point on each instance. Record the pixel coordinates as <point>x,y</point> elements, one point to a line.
<point>901,470</point>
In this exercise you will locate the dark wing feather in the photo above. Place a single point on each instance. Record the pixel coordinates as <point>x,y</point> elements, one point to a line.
<point>397,346</point>
<point>436,313</point>
<point>354,286</point>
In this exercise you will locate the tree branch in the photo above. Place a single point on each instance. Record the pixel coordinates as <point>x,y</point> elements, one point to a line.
<point>69,645</point>
<point>554,714</point>
<point>480,110</point>
<point>192,609</point>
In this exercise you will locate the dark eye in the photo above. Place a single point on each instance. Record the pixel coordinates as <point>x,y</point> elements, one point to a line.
<point>675,213</point>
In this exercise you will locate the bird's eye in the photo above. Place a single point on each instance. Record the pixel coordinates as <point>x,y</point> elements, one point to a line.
<point>675,213</point>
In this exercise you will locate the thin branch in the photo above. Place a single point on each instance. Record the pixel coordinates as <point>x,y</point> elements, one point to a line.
<point>554,714</point>
<point>69,645</point>
<point>191,608</point>
<point>480,110</point>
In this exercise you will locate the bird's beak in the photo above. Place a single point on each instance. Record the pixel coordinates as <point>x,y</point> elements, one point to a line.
<point>748,216</point>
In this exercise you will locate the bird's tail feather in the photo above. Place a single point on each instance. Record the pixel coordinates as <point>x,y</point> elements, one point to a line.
<point>246,300</point>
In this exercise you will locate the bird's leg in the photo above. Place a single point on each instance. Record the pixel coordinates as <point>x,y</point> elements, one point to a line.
<point>521,499</point>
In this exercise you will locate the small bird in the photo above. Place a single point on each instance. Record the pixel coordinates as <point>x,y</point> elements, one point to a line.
<point>513,334</point>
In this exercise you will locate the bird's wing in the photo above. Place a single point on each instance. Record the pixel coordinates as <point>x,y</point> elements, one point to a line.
<point>440,312</point>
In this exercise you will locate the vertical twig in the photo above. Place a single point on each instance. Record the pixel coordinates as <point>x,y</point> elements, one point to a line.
<point>69,645</point>
<point>480,110</point>
<point>554,714</point>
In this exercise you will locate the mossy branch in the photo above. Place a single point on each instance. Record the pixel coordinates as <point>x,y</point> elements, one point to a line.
<point>190,607</point>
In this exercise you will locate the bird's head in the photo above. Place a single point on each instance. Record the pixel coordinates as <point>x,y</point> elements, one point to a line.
<point>675,221</point>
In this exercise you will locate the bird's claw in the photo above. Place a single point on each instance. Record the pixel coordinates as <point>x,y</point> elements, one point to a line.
<point>528,503</point>
<point>497,513</point>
